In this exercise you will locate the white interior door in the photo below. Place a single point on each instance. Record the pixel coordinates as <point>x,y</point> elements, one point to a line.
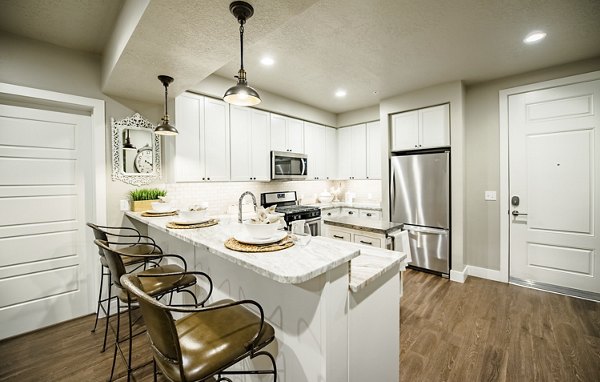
<point>44,174</point>
<point>555,173</point>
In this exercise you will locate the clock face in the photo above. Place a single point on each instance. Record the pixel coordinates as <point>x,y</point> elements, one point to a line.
<point>143,162</point>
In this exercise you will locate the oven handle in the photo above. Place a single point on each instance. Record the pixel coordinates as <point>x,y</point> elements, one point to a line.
<point>303,161</point>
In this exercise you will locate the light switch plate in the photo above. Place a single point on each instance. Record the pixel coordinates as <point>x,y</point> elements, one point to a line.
<point>124,205</point>
<point>490,195</point>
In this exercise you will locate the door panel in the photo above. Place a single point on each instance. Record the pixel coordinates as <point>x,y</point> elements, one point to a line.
<point>240,137</point>
<point>261,145</point>
<point>405,131</point>
<point>216,139</point>
<point>43,259</point>
<point>553,170</point>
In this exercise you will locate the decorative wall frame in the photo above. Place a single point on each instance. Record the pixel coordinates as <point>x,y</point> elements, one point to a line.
<point>135,160</point>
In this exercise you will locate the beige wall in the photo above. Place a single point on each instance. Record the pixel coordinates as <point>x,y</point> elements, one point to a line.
<point>45,66</point>
<point>482,245</point>
<point>452,93</point>
<point>366,114</point>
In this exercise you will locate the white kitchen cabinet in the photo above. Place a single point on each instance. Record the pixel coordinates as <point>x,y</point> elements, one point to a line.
<point>347,211</point>
<point>421,129</point>
<point>370,214</point>
<point>373,150</point>
<point>352,152</point>
<point>202,145</point>
<point>331,153</point>
<point>330,212</point>
<point>250,144</point>
<point>338,234</point>
<point>356,236</point>
<point>287,134</point>
<point>315,148</point>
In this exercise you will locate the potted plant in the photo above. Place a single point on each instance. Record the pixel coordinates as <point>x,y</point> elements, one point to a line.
<point>142,198</point>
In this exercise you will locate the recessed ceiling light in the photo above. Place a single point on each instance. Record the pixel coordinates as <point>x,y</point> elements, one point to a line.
<point>267,61</point>
<point>340,93</point>
<point>534,37</point>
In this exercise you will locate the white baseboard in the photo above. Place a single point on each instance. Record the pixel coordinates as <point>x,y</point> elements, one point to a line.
<point>484,273</point>
<point>459,276</point>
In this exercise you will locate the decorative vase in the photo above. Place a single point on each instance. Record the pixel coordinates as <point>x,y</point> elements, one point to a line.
<point>142,205</point>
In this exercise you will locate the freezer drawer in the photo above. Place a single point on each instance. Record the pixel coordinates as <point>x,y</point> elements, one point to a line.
<point>429,248</point>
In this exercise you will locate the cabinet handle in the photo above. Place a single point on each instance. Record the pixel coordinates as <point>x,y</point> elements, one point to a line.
<point>350,213</point>
<point>369,214</point>
<point>329,214</point>
<point>203,178</point>
<point>338,237</point>
<point>416,146</point>
<point>367,242</point>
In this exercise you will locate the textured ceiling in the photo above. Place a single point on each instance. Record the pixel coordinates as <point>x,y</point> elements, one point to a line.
<point>83,25</point>
<point>396,46</point>
<point>319,46</point>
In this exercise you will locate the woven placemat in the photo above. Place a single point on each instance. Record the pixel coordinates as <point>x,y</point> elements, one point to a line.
<point>235,245</point>
<point>151,215</point>
<point>209,223</point>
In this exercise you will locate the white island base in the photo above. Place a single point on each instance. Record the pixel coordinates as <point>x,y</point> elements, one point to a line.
<point>327,328</point>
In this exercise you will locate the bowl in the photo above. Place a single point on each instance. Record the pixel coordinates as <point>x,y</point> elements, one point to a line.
<point>261,230</point>
<point>192,215</point>
<point>325,198</point>
<point>161,207</point>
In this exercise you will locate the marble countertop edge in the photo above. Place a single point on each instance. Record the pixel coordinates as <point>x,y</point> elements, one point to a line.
<point>367,267</point>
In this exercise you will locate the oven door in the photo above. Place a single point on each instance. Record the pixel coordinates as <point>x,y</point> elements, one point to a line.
<point>286,165</point>
<point>315,226</point>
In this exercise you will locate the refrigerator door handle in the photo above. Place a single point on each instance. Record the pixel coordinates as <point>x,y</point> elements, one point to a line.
<point>436,231</point>
<point>392,192</point>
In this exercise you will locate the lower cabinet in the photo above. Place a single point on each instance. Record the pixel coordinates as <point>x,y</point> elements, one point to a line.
<point>370,214</point>
<point>347,211</point>
<point>356,236</point>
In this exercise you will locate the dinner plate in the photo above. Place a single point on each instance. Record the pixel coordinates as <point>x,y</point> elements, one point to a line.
<point>244,237</point>
<point>199,220</point>
<point>153,212</point>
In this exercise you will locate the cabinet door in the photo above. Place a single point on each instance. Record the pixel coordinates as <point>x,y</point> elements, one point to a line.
<point>331,153</point>
<point>330,212</point>
<point>314,145</point>
<point>344,153</point>
<point>368,240</point>
<point>295,135</point>
<point>369,214</point>
<point>340,235</point>
<point>405,131</point>
<point>261,143</point>
<point>435,127</point>
<point>188,114</point>
<point>216,139</point>
<point>353,212</point>
<point>240,129</point>
<point>359,151</point>
<point>373,150</point>
<point>278,134</point>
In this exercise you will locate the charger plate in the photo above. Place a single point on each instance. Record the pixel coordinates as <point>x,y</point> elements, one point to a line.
<point>209,223</point>
<point>235,245</point>
<point>147,214</point>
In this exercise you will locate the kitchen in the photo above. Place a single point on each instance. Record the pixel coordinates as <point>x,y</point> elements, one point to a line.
<point>59,64</point>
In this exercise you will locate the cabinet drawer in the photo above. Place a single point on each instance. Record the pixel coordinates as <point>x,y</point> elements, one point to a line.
<point>330,212</point>
<point>350,212</point>
<point>360,239</point>
<point>368,214</point>
<point>339,235</point>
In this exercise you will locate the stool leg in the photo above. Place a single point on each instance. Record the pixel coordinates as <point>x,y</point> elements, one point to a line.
<point>112,370</point>
<point>99,299</point>
<point>130,339</point>
<point>107,311</point>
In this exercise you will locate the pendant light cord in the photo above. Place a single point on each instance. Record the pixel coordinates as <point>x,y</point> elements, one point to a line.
<point>242,21</point>
<point>166,93</point>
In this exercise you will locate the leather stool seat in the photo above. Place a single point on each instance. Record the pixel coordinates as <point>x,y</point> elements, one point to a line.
<point>155,286</point>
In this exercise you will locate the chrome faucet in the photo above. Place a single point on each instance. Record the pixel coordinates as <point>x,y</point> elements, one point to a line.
<point>240,204</point>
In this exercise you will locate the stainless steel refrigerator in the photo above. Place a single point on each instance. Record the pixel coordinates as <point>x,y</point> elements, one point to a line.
<point>420,198</point>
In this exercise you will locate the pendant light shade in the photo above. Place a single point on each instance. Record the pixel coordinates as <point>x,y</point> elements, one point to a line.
<point>165,128</point>
<point>241,94</point>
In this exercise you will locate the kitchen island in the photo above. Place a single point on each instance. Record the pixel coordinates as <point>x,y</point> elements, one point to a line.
<point>334,305</point>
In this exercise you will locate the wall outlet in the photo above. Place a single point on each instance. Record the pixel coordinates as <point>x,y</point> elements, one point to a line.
<point>490,195</point>
<point>124,205</point>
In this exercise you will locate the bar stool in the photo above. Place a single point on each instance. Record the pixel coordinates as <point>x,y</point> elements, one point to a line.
<point>207,340</point>
<point>173,278</point>
<point>131,242</point>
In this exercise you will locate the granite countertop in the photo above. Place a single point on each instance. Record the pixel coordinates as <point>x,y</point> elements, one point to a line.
<point>362,206</point>
<point>363,224</point>
<point>289,266</point>
<point>372,263</point>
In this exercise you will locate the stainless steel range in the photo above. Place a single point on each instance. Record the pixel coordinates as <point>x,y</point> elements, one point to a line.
<point>287,204</point>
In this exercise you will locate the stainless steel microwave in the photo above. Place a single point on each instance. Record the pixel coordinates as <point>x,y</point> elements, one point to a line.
<point>288,166</point>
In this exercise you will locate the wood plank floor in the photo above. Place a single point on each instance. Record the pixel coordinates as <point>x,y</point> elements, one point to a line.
<point>477,331</point>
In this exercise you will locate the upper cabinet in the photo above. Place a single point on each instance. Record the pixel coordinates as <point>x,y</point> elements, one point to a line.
<point>202,145</point>
<point>373,150</point>
<point>352,152</point>
<point>421,129</point>
<point>287,134</point>
<point>331,153</point>
<point>250,144</point>
<point>315,144</point>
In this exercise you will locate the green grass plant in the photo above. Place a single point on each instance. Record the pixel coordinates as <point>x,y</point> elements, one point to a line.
<point>146,194</point>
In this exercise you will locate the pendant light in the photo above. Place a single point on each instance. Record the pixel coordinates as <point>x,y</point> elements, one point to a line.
<point>241,94</point>
<point>165,128</point>
<point>128,145</point>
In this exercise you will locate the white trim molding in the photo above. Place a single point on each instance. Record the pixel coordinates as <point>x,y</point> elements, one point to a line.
<point>484,273</point>
<point>459,276</point>
<point>504,159</point>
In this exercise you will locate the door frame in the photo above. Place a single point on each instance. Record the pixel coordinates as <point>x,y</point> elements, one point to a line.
<point>503,273</point>
<point>96,108</point>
